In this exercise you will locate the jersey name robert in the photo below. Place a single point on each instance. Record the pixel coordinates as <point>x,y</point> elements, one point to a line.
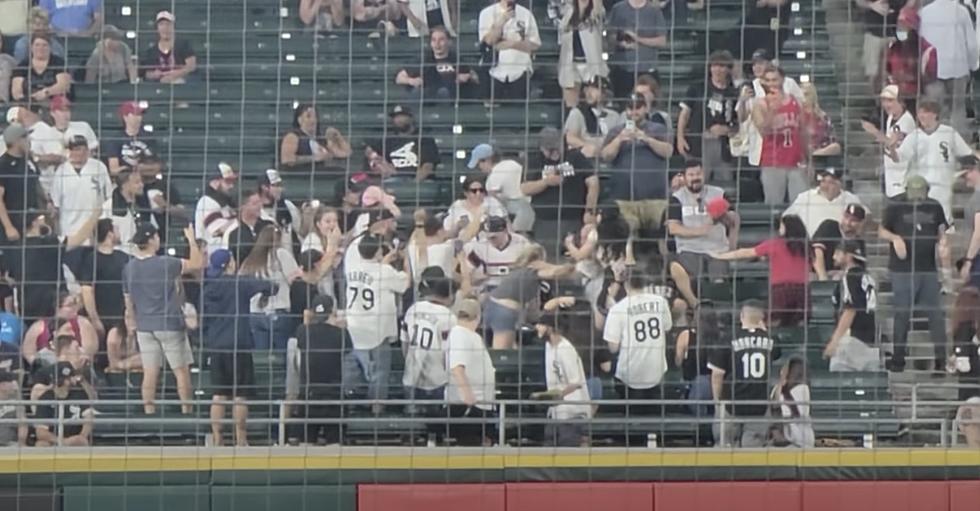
<point>644,308</point>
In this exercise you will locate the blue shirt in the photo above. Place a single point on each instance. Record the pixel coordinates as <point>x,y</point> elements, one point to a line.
<point>71,16</point>
<point>225,311</point>
<point>638,173</point>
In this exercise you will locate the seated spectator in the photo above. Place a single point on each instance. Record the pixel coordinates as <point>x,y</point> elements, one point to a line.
<point>968,419</point>
<point>19,190</point>
<point>47,147</point>
<point>648,88</point>
<point>590,120</point>
<point>708,117</point>
<point>789,271</point>
<point>898,122</point>
<point>697,232</point>
<point>636,29</point>
<point>430,246</point>
<point>75,18</point>
<point>270,319</point>
<point>240,237</point>
<point>821,140</point>
<point>776,117</point>
<point>580,40</point>
<point>14,432</point>
<point>40,24</point>
<point>824,202</point>
<point>111,60</point>
<point>440,74</point>
<point>215,211</point>
<point>373,15</point>
<point>61,120</point>
<point>911,61</point>
<point>122,350</point>
<point>504,184</point>
<point>831,234</point>
<point>408,151</point>
<point>78,415</point>
<point>426,16</point>
<point>466,215</point>
<point>278,210</point>
<point>100,277</point>
<point>970,271</point>
<point>565,379</point>
<point>7,65</point>
<point>508,40</point>
<point>326,238</point>
<point>133,146</point>
<point>489,256</point>
<point>322,15</point>
<point>424,334</point>
<point>793,395</point>
<point>42,76</point>
<point>80,186</point>
<point>169,59</point>
<point>965,360</point>
<point>472,379</point>
<point>128,207</point>
<point>852,345</point>
<point>38,347</point>
<point>301,147</point>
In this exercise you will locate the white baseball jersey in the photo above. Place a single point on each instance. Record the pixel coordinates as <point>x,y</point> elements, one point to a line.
<point>77,193</point>
<point>467,349</point>
<point>933,156</point>
<point>895,172</point>
<point>372,305</point>
<point>426,331</point>
<point>639,324</point>
<point>491,261</point>
<point>562,368</point>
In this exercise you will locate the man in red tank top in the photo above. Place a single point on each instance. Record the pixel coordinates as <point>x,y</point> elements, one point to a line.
<point>777,116</point>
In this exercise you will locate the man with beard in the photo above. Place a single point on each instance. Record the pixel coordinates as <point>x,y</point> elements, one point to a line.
<point>588,123</point>
<point>697,234</point>
<point>406,149</point>
<point>832,233</point>
<point>278,210</point>
<point>18,182</point>
<point>215,212</point>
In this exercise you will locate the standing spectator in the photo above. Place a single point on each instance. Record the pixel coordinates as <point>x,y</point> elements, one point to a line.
<point>914,226</point>
<point>67,391</point>
<point>80,185</point>
<point>322,15</point>
<point>508,40</point>
<point>636,331</point>
<point>761,62</point>
<point>47,146</point>
<point>466,215</point>
<point>852,344</point>
<point>425,16</point>
<point>18,183</point>
<point>215,211</point>
<point>965,360</point>
<point>40,24</point>
<point>168,60</point>
<point>590,120</point>
<point>326,238</point>
<point>426,329</point>
<point>691,355</point>
<point>911,61</point>
<point>301,146</point>
<point>373,287</point>
<point>947,25</point>
<point>580,39</point>
<point>79,18</point>
<point>374,15</point>
<point>128,207</point>
<point>60,108</point>
<point>793,395</point>
<point>708,117</point>
<point>228,338</point>
<point>831,234</point>
<point>697,233</point>
<point>240,237</point>
<point>151,286</point>
<point>14,432</point>
<point>270,261</point>
<point>42,76</point>
<point>472,379</point>
<point>134,146</point>
<point>406,149</point>
<point>880,17</point>
<point>788,254</point>
<point>563,185</point>
<point>101,277</point>
<point>504,184</point>
<point>489,257</point>
<point>816,124</point>
<point>747,362</point>
<point>281,212</point>
<point>824,202</point>
<point>777,117</point>
<point>970,271</point>
<point>440,74</point>
<point>636,29</point>
<point>429,246</point>
<point>111,60</point>
<point>565,379</point>
<point>898,124</point>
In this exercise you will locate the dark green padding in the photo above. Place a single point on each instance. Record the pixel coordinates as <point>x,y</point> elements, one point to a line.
<point>143,498</point>
<point>284,498</point>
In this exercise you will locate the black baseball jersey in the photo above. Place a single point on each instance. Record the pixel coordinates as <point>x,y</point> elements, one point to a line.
<point>747,362</point>
<point>857,291</point>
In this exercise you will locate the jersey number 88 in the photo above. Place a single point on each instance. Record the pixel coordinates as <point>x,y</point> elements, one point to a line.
<point>649,329</point>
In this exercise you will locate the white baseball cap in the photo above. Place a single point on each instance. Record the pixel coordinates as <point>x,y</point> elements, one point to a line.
<point>13,114</point>
<point>165,15</point>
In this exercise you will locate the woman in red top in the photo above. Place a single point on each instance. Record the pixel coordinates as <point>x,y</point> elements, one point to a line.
<point>38,345</point>
<point>777,117</point>
<point>789,273</point>
<point>816,125</point>
<point>910,60</point>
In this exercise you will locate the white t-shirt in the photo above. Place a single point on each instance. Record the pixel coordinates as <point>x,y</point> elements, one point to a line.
<point>46,141</point>
<point>457,211</point>
<point>77,194</point>
<point>467,349</point>
<point>813,208</point>
<point>562,368</point>
<point>372,306</point>
<point>511,64</point>
<point>442,255</point>
<point>212,221</point>
<point>504,181</point>
<point>639,324</point>
<point>933,156</point>
<point>427,327</point>
<point>895,172</point>
<point>492,262</point>
<point>278,271</point>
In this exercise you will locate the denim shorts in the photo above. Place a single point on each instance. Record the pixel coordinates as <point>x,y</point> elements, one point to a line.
<point>498,318</point>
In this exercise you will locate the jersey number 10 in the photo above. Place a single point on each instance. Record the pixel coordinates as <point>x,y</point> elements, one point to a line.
<point>754,365</point>
<point>422,337</point>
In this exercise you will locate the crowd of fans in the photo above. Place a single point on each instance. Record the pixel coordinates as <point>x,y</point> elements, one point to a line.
<point>598,243</point>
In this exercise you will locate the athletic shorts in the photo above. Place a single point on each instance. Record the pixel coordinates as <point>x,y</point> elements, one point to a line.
<point>697,265</point>
<point>232,374</point>
<point>173,345</point>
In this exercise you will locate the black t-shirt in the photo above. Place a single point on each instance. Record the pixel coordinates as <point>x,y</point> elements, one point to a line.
<point>857,291</point>
<point>301,295</point>
<point>241,239</point>
<point>130,150</point>
<point>919,224</point>
<point>747,362</point>
<point>104,273</point>
<point>73,407</point>
<point>438,72</point>
<point>406,153</point>
<point>696,363</point>
<point>883,26</point>
<point>18,177</point>
<point>569,195</point>
<point>34,81</point>
<point>323,347</point>
<point>710,106</point>
<point>37,267</point>
<point>827,238</point>
<point>154,59</point>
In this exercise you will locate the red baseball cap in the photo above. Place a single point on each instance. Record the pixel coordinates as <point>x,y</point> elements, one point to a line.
<point>130,108</point>
<point>718,207</point>
<point>59,103</point>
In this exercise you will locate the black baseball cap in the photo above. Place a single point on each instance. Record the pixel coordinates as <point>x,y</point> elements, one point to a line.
<point>855,210</point>
<point>63,371</point>
<point>761,54</point>
<point>400,110</point>
<point>379,214</point>
<point>322,307</point>
<point>495,224</point>
<point>77,141</point>
<point>600,82</point>
<point>833,172</point>
<point>855,248</point>
<point>144,233</point>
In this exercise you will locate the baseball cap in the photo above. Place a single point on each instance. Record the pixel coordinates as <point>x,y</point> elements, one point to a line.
<point>635,101</point>
<point>855,210</point>
<point>468,309</point>
<point>270,177</point>
<point>378,215</point>
<point>130,108</point>
<point>399,110</point>
<point>13,114</point>
<point>225,171</point>
<point>889,92</point>
<point>855,248</point>
<point>63,371</point>
<point>909,17</point>
<point>600,82</point>
<point>718,207</point>
<point>916,188</point>
<point>217,263</point>
<point>322,307</point>
<point>550,139</point>
<point>13,133</point>
<point>77,141</point>
<point>761,54</point>
<point>165,15</point>
<point>373,195</point>
<point>144,233</point>
<point>967,163</point>
<point>59,103</point>
<point>495,224</point>
<point>112,32</point>
<point>833,172</point>
<point>480,152</point>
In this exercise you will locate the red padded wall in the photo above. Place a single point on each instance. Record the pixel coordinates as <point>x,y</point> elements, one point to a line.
<point>877,496</point>
<point>430,497</point>
<point>964,495</point>
<point>721,496</point>
<point>579,496</point>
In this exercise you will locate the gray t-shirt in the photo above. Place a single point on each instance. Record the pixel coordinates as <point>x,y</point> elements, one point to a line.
<point>153,285</point>
<point>691,210</point>
<point>638,173</point>
<point>647,21</point>
<point>521,285</point>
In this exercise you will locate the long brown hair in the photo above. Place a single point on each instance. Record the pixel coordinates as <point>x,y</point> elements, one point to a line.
<point>966,310</point>
<point>262,252</point>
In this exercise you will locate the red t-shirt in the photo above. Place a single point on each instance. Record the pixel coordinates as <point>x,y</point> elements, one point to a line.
<point>903,61</point>
<point>781,147</point>
<point>784,267</point>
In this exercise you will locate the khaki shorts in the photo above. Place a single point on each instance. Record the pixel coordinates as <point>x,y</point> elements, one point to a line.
<point>156,345</point>
<point>642,213</point>
<point>873,54</point>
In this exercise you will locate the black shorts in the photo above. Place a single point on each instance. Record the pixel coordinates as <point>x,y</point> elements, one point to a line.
<point>232,374</point>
